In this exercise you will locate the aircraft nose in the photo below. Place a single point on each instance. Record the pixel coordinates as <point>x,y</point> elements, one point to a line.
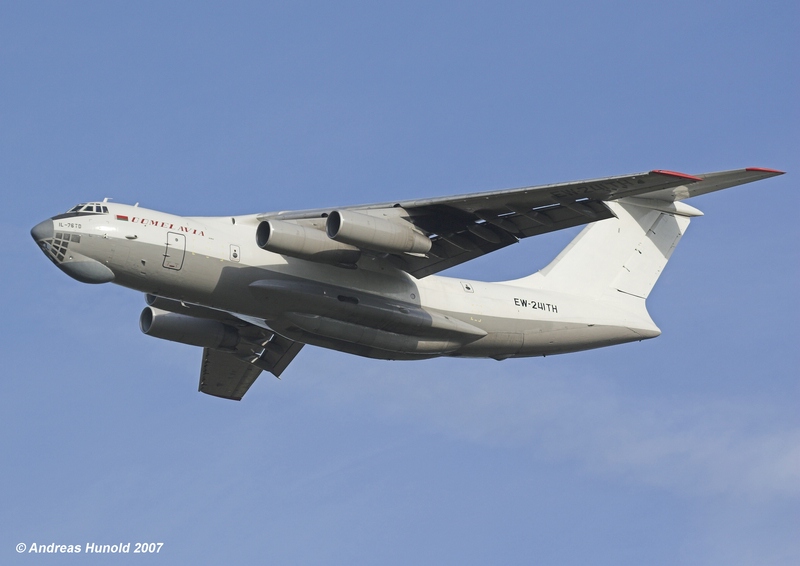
<point>42,231</point>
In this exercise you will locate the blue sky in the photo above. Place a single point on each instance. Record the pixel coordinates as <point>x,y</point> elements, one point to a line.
<point>683,449</point>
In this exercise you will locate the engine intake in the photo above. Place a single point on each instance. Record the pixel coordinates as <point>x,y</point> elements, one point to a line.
<point>375,233</point>
<point>187,329</point>
<point>288,238</point>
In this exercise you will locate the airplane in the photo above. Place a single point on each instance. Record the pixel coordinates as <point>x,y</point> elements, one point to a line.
<point>253,290</point>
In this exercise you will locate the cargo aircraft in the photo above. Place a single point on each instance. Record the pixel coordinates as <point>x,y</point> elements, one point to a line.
<point>253,290</point>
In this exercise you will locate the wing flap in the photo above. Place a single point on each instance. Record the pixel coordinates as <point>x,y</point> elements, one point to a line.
<point>463,244</point>
<point>276,355</point>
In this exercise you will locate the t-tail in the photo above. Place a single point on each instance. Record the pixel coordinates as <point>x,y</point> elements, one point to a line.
<point>618,261</point>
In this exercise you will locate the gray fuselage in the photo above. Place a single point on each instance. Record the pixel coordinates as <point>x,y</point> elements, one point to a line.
<point>371,309</point>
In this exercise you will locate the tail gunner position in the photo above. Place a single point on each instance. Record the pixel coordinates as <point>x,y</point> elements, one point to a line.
<point>252,290</point>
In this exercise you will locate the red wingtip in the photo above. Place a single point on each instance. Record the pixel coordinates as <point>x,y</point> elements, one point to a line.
<point>765,170</point>
<point>676,174</point>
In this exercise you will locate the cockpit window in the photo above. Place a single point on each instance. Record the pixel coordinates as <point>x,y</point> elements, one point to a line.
<point>91,208</point>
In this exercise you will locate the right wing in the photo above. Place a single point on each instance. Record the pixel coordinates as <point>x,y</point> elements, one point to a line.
<point>464,227</point>
<point>710,182</point>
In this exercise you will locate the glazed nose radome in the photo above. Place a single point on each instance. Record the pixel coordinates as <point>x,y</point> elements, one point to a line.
<point>76,265</point>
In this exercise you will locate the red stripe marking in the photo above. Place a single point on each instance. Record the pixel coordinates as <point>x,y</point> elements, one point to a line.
<point>121,217</point>
<point>676,174</point>
<point>764,170</point>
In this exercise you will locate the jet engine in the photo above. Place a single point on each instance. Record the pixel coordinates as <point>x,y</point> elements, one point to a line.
<point>288,238</point>
<point>188,329</point>
<point>375,233</point>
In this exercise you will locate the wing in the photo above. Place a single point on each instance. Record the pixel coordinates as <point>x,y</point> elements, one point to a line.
<point>229,373</point>
<point>467,226</point>
<point>224,375</point>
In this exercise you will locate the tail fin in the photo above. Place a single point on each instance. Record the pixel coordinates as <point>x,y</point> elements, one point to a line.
<point>625,254</point>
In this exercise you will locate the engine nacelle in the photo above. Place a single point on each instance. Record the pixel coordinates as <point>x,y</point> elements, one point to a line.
<point>375,233</point>
<point>288,238</point>
<point>187,329</point>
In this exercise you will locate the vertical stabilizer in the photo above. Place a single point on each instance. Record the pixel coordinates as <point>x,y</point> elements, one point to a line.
<point>625,254</point>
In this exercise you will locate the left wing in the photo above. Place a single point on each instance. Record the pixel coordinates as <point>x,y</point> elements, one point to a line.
<point>464,227</point>
<point>224,375</point>
<point>229,373</point>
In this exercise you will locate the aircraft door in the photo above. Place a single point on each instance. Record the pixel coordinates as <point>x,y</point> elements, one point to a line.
<point>175,251</point>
